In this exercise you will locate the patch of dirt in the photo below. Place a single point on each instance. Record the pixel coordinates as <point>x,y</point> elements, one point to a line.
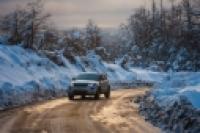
<point>118,114</point>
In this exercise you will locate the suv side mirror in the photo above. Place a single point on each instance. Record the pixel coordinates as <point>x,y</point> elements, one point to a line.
<point>73,78</point>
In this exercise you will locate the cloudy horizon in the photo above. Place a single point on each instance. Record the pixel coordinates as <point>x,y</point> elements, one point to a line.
<point>75,13</point>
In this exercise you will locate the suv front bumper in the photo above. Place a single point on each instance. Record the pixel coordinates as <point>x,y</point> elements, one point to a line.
<point>82,90</point>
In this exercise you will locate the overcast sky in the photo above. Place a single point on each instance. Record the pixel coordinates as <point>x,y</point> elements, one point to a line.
<point>75,13</point>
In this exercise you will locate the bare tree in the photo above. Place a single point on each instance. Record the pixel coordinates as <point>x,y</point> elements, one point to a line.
<point>187,6</point>
<point>75,42</point>
<point>36,23</point>
<point>12,24</point>
<point>26,25</point>
<point>93,37</point>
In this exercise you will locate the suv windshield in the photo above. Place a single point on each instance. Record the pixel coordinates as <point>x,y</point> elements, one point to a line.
<point>88,77</point>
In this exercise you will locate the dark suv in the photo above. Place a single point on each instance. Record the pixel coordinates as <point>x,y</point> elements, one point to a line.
<point>89,84</point>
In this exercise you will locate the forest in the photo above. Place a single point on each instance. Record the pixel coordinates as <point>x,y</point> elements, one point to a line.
<point>171,32</point>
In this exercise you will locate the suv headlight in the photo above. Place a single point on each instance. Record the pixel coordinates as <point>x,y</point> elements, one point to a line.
<point>92,85</point>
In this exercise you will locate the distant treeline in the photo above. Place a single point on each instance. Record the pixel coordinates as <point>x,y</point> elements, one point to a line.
<point>161,35</point>
<point>171,35</point>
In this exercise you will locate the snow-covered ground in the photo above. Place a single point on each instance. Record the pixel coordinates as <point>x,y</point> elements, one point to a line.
<point>169,87</point>
<point>26,76</point>
<point>19,66</point>
<point>148,75</point>
<point>174,104</point>
<point>115,72</point>
<point>179,84</point>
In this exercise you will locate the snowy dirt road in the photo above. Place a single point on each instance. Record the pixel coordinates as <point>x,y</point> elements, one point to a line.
<point>115,115</point>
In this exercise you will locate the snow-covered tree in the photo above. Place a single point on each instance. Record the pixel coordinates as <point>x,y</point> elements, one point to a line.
<point>159,35</point>
<point>26,25</point>
<point>75,42</point>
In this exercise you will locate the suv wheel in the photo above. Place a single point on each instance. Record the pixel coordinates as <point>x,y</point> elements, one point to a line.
<point>71,97</point>
<point>107,94</point>
<point>97,95</point>
<point>83,96</point>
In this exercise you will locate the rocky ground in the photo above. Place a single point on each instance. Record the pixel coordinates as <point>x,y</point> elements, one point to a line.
<point>180,117</point>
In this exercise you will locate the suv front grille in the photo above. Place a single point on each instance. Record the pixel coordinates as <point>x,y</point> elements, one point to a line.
<point>80,84</point>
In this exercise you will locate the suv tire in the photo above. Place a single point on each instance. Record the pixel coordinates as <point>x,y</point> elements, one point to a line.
<point>97,95</point>
<point>83,96</point>
<point>107,94</point>
<point>71,97</point>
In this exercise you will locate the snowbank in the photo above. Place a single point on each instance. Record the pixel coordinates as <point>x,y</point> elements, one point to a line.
<point>94,63</point>
<point>19,66</point>
<point>26,77</point>
<point>149,76</point>
<point>169,87</point>
<point>177,118</point>
<point>174,103</point>
<point>179,84</point>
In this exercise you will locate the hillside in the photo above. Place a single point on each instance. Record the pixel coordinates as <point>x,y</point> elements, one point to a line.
<point>27,76</point>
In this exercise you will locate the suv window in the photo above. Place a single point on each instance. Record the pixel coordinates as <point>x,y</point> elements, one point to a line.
<point>88,77</point>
